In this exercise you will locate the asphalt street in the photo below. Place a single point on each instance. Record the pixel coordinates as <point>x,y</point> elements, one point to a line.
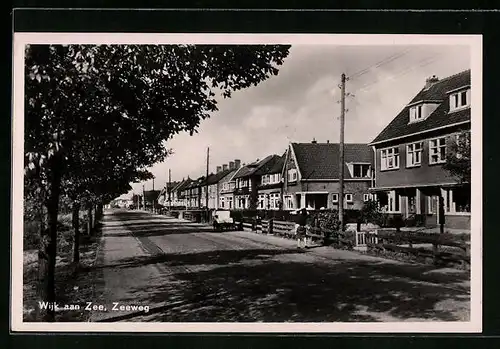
<point>163,269</point>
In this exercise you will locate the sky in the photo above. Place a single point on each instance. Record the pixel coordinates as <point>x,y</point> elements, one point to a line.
<point>301,103</point>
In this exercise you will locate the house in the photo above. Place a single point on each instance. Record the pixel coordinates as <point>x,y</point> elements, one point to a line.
<point>246,181</point>
<point>270,184</point>
<point>192,193</point>
<point>165,196</point>
<point>311,175</point>
<point>212,184</point>
<point>411,150</point>
<point>178,198</point>
<point>170,196</point>
<point>228,185</point>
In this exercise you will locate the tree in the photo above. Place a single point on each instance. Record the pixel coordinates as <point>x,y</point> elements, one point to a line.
<point>458,159</point>
<point>96,111</point>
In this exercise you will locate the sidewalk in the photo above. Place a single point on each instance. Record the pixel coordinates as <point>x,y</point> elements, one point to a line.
<point>118,247</point>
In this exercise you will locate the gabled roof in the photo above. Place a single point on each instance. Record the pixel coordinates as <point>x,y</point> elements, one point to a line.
<point>183,184</point>
<point>400,126</point>
<point>251,168</point>
<point>273,165</point>
<point>321,160</point>
<point>229,175</point>
<point>215,178</point>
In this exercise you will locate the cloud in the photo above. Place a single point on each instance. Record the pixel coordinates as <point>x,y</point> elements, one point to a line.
<point>301,103</point>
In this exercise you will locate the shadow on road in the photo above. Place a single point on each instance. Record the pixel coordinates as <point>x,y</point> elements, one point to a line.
<point>252,285</point>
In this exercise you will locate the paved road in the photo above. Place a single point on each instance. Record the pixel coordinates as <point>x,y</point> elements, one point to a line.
<point>186,272</point>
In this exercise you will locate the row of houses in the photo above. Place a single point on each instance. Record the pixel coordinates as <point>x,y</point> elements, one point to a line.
<point>402,168</point>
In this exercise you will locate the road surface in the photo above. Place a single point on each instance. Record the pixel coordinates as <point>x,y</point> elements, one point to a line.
<point>162,269</point>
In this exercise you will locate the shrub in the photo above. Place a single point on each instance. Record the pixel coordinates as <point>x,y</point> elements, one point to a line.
<point>371,213</point>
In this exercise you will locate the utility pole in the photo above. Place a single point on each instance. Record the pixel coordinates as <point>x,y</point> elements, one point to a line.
<point>169,189</point>
<point>143,198</point>
<point>341,161</point>
<point>206,179</point>
<point>153,195</point>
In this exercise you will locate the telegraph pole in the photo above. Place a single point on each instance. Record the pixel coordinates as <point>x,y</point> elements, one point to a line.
<point>341,161</point>
<point>143,198</point>
<point>206,179</point>
<point>153,195</point>
<point>169,189</point>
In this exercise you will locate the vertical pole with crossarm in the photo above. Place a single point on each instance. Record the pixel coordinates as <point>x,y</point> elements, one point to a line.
<point>341,160</point>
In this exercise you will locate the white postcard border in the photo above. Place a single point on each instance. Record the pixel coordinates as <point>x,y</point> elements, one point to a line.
<point>21,39</point>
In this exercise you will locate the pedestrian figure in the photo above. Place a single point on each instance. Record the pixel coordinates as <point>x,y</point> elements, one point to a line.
<point>300,230</point>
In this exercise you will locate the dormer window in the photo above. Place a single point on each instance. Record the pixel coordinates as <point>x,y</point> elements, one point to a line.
<point>361,171</point>
<point>416,113</point>
<point>459,100</point>
<point>421,110</point>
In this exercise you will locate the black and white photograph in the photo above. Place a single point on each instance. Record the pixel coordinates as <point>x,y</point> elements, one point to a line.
<point>247,183</point>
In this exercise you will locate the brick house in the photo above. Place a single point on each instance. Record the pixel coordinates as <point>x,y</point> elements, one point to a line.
<point>246,182</point>
<point>176,199</point>
<point>165,198</point>
<point>213,184</point>
<point>269,184</point>
<point>227,186</point>
<point>311,175</point>
<point>411,150</point>
<point>192,193</point>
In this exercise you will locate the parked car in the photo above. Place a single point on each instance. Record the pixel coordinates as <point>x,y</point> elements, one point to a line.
<point>223,220</point>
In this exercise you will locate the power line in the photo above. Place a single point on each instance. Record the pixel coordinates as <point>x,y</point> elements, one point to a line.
<point>380,63</point>
<point>422,63</point>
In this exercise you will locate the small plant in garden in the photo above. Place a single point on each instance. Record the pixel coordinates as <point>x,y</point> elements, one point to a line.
<point>371,213</point>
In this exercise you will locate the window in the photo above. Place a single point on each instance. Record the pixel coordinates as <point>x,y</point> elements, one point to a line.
<point>437,150</point>
<point>389,158</point>
<point>230,202</point>
<point>416,113</point>
<point>222,202</point>
<point>414,154</point>
<point>457,200</point>
<point>292,175</point>
<point>459,100</point>
<point>366,197</point>
<point>348,197</point>
<point>288,202</point>
<point>361,171</point>
<point>335,197</point>
<point>262,199</point>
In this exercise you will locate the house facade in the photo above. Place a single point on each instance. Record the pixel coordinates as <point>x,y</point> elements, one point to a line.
<point>192,193</point>
<point>246,182</point>
<point>411,151</point>
<point>311,176</point>
<point>226,189</point>
<point>270,184</point>
<point>213,185</point>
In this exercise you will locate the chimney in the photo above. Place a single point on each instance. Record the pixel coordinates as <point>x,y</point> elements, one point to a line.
<point>431,81</point>
<point>219,168</point>
<point>314,141</point>
<point>224,167</point>
<point>231,165</point>
<point>237,163</point>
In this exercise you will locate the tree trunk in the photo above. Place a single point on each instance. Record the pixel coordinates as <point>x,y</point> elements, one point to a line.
<point>90,224</point>
<point>48,246</point>
<point>76,229</point>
